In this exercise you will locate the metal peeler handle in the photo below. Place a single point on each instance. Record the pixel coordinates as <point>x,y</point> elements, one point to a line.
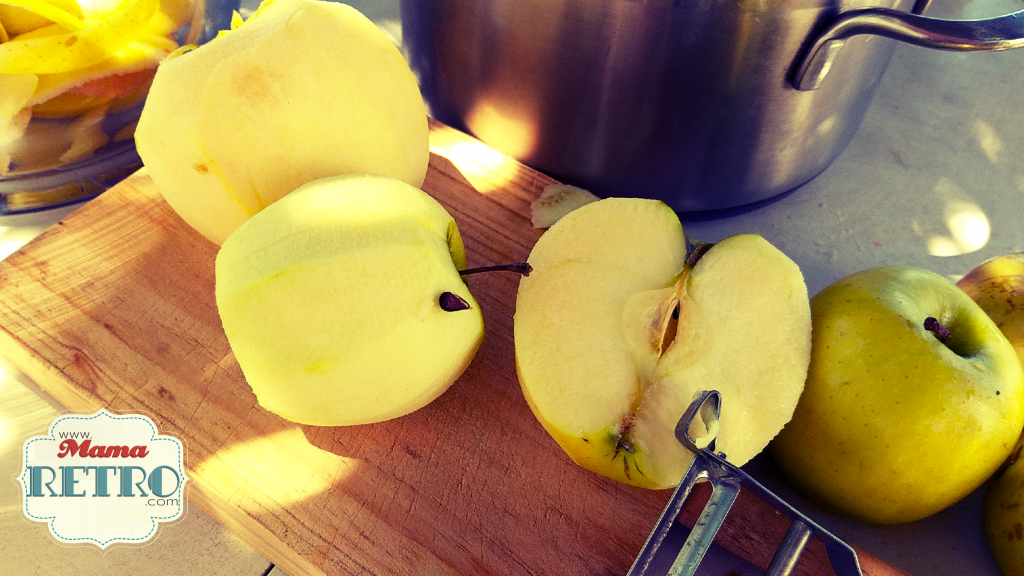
<point>727,480</point>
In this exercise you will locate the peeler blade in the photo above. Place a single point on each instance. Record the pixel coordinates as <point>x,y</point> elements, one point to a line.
<point>727,480</point>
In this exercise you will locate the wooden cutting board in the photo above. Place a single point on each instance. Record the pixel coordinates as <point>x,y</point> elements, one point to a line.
<point>114,305</point>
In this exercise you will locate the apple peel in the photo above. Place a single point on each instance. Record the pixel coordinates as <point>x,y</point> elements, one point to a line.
<point>109,27</point>
<point>15,92</point>
<point>137,57</point>
<point>50,12</point>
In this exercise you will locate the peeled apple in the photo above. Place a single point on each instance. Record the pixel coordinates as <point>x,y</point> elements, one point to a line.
<point>303,90</point>
<point>332,301</point>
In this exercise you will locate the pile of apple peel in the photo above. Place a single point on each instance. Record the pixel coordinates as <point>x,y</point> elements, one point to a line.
<point>66,67</point>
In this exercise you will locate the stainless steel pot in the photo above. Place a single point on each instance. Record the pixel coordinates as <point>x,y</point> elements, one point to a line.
<point>705,104</point>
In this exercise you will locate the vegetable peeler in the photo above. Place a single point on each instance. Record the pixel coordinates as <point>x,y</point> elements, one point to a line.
<point>727,480</point>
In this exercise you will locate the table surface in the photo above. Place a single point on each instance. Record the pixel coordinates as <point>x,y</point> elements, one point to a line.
<point>941,145</point>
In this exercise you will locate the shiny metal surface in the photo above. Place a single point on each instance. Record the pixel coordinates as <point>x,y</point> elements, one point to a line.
<point>788,554</point>
<point>986,35</point>
<point>687,101</point>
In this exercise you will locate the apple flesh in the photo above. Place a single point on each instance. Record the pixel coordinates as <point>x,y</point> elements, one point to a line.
<point>618,328</point>
<point>304,89</point>
<point>333,300</point>
<point>895,424</point>
<point>555,201</point>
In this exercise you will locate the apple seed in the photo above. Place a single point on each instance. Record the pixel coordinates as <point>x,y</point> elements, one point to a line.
<point>668,335</point>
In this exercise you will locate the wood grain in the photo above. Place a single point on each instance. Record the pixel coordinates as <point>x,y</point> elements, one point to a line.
<point>114,306</point>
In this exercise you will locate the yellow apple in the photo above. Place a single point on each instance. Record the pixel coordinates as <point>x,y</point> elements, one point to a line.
<point>913,399</point>
<point>997,285</point>
<point>336,301</point>
<point>618,327</point>
<point>1004,515</point>
<point>304,89</point>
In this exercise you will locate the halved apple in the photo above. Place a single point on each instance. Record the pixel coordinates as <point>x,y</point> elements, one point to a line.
<point>619,327</point>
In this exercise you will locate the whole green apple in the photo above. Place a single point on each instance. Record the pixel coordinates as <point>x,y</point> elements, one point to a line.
<point>913,398</point>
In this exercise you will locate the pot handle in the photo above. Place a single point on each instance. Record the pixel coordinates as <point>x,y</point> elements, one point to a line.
<point>1000,33</point>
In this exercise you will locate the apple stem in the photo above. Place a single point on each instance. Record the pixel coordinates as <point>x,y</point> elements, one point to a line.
<point>451,302</point>
<point>697,251</point>
<point>941,332</point>
<point>520,268</point>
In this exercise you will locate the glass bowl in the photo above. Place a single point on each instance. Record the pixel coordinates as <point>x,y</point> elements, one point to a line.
<point>79,142</point>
